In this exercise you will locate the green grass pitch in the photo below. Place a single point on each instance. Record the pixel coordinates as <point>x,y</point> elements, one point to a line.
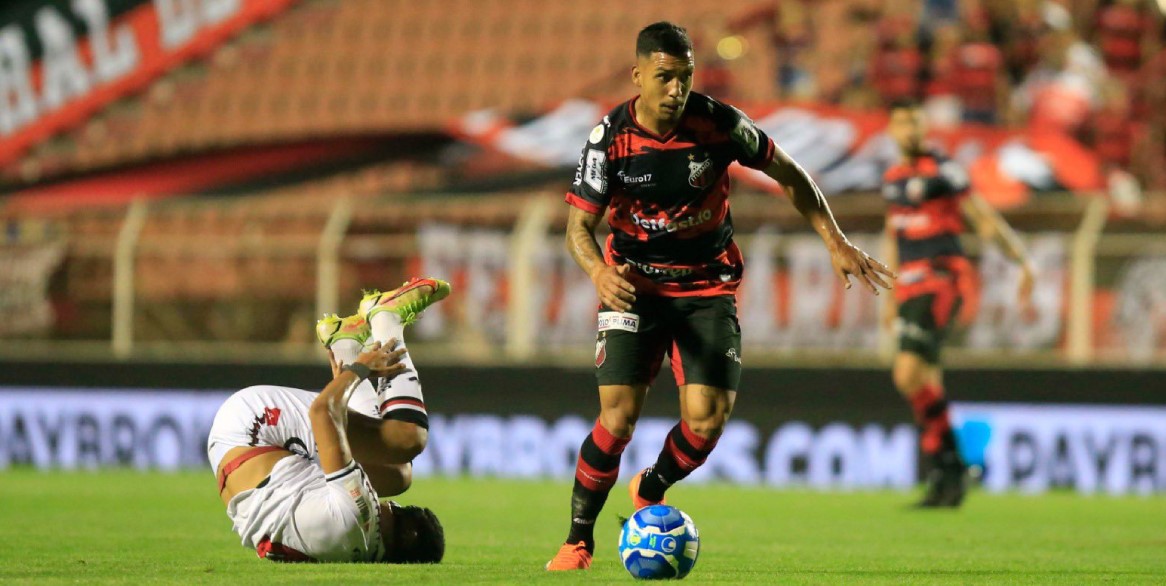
<point>128,527</point>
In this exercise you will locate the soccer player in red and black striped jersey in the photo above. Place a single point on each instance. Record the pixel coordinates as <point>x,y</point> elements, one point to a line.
<point>928,200</point>
<point>657,165</point>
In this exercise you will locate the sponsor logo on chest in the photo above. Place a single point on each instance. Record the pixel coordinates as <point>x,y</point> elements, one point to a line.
<point>644,179</point>
<point>664,225</point>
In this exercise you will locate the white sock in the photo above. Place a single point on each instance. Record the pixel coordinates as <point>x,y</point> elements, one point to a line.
<point>346,350</point>
<point>364,399</point>
<point>401,396</point>
<point>386,325</point>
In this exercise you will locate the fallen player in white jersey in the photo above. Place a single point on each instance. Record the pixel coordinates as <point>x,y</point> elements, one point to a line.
<point>285,457</point>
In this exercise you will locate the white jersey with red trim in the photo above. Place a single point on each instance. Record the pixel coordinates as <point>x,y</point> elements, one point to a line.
<point>301,514</point>
<point>298,513</point>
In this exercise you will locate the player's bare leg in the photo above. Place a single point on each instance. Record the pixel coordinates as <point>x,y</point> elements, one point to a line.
<point>386,463</point>
<point>385,445</point>
<point>704,411</point>
<point>921,384</point>
<point>597,469</point>
<point>402,404</point>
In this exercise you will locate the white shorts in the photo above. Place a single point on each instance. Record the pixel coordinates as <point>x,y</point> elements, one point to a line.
<point>267,415</point>
<point>263,415</point>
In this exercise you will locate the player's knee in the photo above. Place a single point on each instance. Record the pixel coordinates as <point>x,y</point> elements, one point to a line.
<point>618,422</point>
<point>415,441</point>
<point>407,439</point>
<point>908,374</point>
<point>709,426</point>
<point>406,479</point>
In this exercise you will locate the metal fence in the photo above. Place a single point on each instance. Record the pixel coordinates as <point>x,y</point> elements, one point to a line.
<point>235,279</point>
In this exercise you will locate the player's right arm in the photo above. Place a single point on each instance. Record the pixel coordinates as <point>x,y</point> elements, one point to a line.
<point>328,413</point>
<point>610,283</point>
<point>588,198</point>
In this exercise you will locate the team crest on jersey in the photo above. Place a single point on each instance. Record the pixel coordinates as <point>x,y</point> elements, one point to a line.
<point>600,352</point>
<point>699,172</point>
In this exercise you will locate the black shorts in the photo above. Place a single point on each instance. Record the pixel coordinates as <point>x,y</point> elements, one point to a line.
<point>925,321</point>
<point>701,335</point>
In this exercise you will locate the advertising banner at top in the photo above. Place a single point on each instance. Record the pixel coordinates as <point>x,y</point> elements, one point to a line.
<point>62,61</point>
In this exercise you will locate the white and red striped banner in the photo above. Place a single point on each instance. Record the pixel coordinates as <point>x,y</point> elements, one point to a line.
<point>844,151</point>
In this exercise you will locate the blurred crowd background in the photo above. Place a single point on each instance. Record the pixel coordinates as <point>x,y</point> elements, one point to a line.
<point>179,174</point>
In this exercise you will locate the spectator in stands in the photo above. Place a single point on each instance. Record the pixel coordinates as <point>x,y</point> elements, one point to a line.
<point>714,78</point>
<point>898,66</point>
<point>942,104</point>
<point>1149,154</point>
<point>793,37</point>
<point>1022,33</point>
<point>1064,88</point>
<point>980,79</point>
<point>1112,128</point>
<point>966,81</point>
<point>1121,33</point>
<point>790,31</point>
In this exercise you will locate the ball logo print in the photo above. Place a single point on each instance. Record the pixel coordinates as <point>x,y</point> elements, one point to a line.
<point>667,544</point>
<point>659,542</point>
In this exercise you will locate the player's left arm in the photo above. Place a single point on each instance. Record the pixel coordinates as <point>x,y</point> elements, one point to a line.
<point>990,226</point>
<point>847,258</point>
<point>328,413</point>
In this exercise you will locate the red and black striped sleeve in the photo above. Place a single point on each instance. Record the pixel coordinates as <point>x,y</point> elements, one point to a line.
<point>589,192</point>
<point>751,146</point>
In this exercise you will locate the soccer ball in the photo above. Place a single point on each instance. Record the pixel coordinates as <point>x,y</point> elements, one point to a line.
<point>659,542</point>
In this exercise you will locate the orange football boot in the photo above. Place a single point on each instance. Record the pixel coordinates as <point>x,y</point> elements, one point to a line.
<point>634,490</point>
<point>572,556</point>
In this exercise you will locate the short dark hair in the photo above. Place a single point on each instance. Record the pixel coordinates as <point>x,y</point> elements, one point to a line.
<point>905,104</point>
<point>419,537</point>
<point>663,37</point>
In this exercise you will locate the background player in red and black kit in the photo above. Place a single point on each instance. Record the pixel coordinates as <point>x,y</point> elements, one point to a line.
<point>928,201</point>
<point>667,277</point>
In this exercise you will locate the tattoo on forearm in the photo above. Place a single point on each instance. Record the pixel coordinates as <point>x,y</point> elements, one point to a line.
<point>581,242</point>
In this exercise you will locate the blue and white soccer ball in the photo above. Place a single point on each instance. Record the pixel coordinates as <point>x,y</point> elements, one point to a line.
<point>659,542</point>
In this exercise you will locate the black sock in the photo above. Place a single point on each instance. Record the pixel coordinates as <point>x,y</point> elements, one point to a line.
<point>683,452</point>
<point>595,474</point>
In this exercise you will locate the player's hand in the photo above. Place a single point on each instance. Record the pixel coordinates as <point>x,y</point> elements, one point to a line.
<point>383,360</point>
<point>614,290</point>
<point>849,260</point>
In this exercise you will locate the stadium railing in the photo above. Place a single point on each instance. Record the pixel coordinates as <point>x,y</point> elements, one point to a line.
<point>246,278</point>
